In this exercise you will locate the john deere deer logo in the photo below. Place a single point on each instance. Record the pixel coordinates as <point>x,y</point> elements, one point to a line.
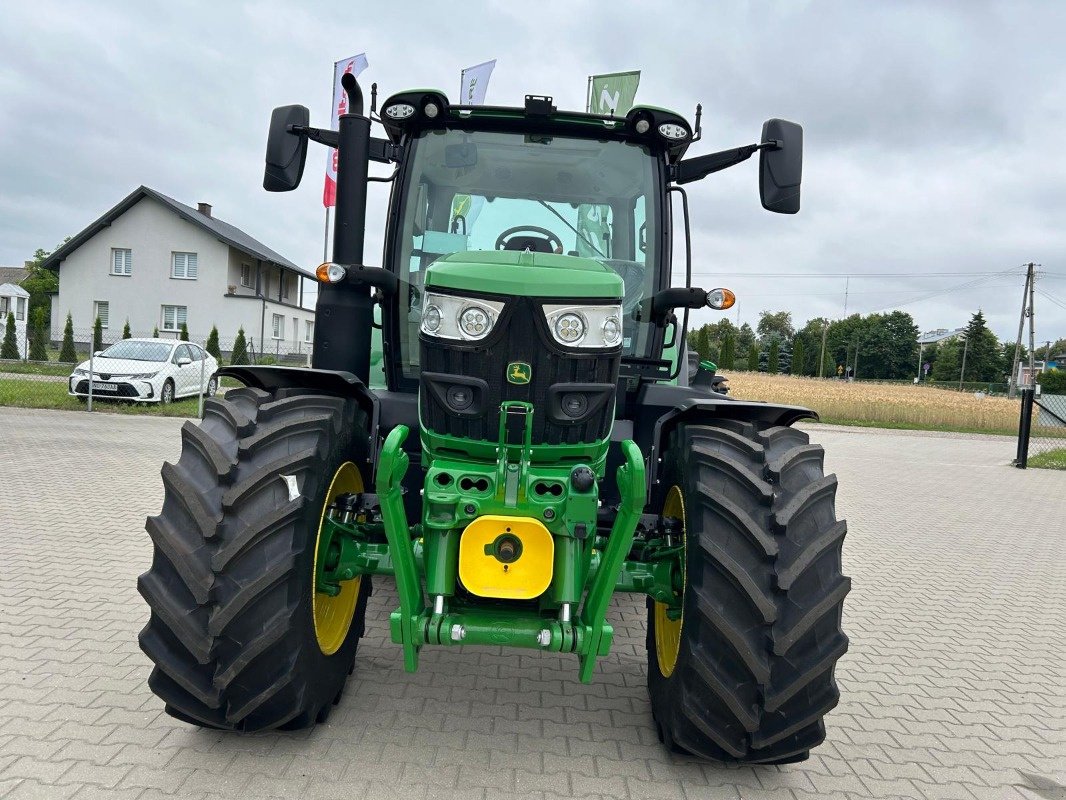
<point>519,372</point>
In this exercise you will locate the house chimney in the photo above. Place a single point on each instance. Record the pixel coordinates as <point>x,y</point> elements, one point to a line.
<point>204,208</point>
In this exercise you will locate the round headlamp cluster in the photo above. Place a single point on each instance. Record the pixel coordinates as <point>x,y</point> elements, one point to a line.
<point>585,326</point>
<point>570,328</point>
<point>454,317</point>
<point>399,111</point>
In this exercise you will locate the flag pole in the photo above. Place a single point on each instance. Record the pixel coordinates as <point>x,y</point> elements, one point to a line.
<point>325,238</point>
<point>588,96</point>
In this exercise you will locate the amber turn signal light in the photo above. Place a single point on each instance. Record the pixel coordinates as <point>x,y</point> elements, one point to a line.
<point>330,273</point>
<point>717,298</point>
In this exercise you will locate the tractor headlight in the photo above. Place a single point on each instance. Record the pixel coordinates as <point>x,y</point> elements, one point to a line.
<point>453,317</point>
<point>585,326</point>
<point>569,327</point>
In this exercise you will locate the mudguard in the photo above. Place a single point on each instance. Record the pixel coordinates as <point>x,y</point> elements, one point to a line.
<point>660,408</point>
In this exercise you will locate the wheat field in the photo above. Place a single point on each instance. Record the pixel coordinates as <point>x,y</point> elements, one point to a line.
<point>896,405</point>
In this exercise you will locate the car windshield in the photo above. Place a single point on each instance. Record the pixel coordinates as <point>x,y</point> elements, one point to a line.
<point>489,190</point>
<point>131,350</point>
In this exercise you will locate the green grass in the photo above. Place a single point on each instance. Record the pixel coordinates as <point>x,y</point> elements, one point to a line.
<point>914,426</point>
<point>1052,459</point>
<point>36,368</point>
<point>49,394</point>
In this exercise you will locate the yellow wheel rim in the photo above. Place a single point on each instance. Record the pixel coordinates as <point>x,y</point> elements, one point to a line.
<point>668,631</point>
<point>333,615</point>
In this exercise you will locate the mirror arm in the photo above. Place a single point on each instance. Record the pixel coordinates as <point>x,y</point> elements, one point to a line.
<point>694,169</point>
<point>381,150</point>
<point>328,138</point>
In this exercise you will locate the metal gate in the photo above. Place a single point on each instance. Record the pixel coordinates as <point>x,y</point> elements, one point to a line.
<point>1042,431</point>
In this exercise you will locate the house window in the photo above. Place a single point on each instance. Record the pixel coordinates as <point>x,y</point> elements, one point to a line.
<point>279,326</point>
<point>20,308</point>
<point>246,275</point>
<point>183,266</point>
<point>5,307</point>
<point>101,309</point>
<point>174,317</point>
<point>121,261</point>
<point>309,331</point>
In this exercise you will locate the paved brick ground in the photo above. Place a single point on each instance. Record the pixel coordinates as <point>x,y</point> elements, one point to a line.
<point>955,686</point>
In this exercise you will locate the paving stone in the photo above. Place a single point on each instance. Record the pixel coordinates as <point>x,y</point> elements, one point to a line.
<point>950,689</point>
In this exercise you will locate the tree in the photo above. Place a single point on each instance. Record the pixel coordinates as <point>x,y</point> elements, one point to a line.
<point>98,335</point>
<point>67,353</point>
<point>729,351</point>
<point>38,341</point>
<point>10,348</point>
<point>155,332</point>
<point>183,333</point>
<point>212,344</point>
<point>799,357</point>
<point>240,349</point>
<point>779,322</point>
<point>948,360</point>
<point>703,344</point>
<point>753,357</point>
<point>773,356</point>
<point>41,283</point>
<point>784,358</point>
<point>126,330</point>
<point>745,337</point>
<point>983,354</point>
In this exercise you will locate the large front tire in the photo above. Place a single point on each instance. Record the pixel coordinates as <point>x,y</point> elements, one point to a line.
<point>746,674</point>
<point>232,631</point>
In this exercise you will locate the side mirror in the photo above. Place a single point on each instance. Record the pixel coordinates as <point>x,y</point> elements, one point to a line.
<point>286,151</point>
<point>781,167</point>
<point>184,361</point>
<point>97,353</point>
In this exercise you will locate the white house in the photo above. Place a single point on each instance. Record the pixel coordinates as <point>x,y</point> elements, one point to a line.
<point>158,263</point>
<point>15,300</point>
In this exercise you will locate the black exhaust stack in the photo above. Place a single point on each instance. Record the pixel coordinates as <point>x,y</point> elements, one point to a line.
<point>344,313</point>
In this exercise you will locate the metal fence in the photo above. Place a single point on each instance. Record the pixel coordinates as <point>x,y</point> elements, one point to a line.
<point>31,381</point>
<point>1041,431</point>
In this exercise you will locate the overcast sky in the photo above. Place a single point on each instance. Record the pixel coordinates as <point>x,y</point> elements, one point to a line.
<point>933,131</point>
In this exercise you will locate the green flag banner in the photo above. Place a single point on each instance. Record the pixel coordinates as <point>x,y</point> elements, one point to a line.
<point>612,94</point>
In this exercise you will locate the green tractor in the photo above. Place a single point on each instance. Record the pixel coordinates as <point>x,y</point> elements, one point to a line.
<point>502,420</point>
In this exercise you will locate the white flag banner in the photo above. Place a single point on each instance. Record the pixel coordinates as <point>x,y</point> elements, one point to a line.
<point>354,65</point>
<point>476,84</point>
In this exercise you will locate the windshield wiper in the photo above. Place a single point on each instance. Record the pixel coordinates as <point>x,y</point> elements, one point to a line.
<point>571,227</point>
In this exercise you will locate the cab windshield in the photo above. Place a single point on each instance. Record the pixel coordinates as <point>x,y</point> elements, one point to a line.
<point>486,190</point>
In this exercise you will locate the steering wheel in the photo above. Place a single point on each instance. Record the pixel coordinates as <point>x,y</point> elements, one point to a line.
<point>546,242</point>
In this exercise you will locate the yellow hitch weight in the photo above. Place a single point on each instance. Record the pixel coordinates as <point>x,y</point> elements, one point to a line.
<point>509,558</point>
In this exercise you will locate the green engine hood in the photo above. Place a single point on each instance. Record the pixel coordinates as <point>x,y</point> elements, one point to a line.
<point>525,274</point>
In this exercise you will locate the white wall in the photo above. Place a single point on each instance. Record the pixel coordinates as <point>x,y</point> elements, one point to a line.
<point>153,232</point>
<point>20,324</point>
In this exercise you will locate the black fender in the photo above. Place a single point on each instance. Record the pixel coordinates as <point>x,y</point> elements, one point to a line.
<point>660,408</point>
<point>326,381</point>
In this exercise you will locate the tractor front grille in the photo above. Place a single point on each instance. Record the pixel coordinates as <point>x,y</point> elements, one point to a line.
<point>479,369</point>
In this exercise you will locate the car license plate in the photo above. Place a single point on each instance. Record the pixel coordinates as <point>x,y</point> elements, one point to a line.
<point>104,387</point>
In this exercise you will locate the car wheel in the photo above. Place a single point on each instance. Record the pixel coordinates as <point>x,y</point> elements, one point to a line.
<point>212,387</point>
<point>167,395</point>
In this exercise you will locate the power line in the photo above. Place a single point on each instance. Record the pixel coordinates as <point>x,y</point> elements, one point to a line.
<point>829,275</point>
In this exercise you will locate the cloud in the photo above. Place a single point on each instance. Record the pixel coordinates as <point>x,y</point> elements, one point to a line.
<point>931,130</point>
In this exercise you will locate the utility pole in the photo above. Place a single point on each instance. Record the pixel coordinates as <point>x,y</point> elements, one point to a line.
<point>821,358</point>
<point>1032,314</point>
<point>965,349</point>
<point>1047,353</point>
<point>1012,383</point>
<point>847,281</point>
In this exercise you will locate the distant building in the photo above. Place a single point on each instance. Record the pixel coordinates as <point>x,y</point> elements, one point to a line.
<point>939,335</point>
<point>159,263</point>
<point>13,275</point>
<point>15,300</point>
